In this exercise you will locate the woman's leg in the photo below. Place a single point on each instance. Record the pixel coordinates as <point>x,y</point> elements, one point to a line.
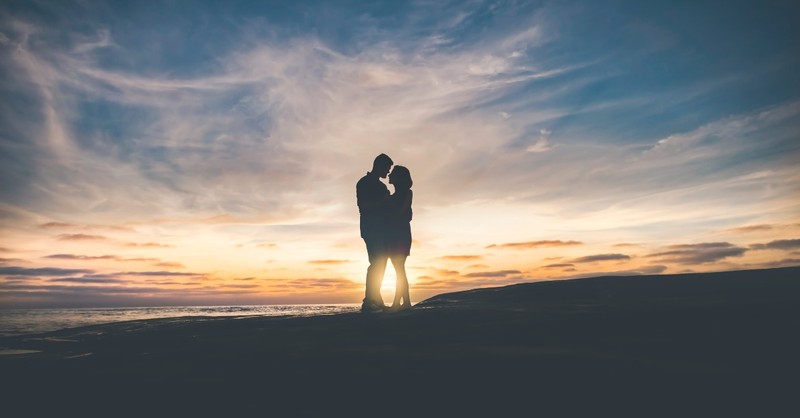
<point>401,287</point>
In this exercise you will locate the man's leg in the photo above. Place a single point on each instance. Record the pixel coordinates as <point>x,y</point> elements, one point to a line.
<point>377,267</point>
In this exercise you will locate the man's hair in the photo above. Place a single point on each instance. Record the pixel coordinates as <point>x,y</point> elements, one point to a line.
<point>382,160</point>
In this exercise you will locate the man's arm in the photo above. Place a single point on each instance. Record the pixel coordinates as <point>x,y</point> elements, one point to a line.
<point>371,200</point>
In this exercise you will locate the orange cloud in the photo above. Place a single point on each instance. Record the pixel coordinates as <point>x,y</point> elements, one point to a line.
<point>169,264</point>
<point>329,262</point>
<point>148,245</point>
<point>52,225</point>
<point>751,228</point>
<point>702,253</point>
<point>498,273</point>
<point>80,237</point>
<point>536,244</point>
<point>558,265</point>
<point>780,244</point>
<point>12,260</point>
<point>82,257</point>
<point>600,257</point>
<point>461,257</point>
<point>311,284</point>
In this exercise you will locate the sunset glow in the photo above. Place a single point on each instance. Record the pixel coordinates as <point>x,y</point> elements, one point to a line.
<point>153,154</point>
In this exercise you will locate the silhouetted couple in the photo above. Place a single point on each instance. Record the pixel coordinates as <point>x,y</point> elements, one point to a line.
<point>386,229</point>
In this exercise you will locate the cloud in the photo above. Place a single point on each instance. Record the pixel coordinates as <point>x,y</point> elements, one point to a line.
<point>154,273</point>
<point>87,280</point>
<point>80,237</point>
<point>42,271</point>
<point>781,244</point>
<point>558,265</point>
<point>300,285</point>
<point>439,272</point>
<point>56,225</point>
<point>542,144</point>
<point>536,244</point>
<point>66,225</point>
<point>498,273</point>
<point>644,270</point>
<point>702,253</point>
<point>148,245</point>
<point>786,262</point>
<point>12,260</point>
<point>625,245</point>
<point>600,257</point>
<point>156,261</point>
<point>169,264</point>
<point>477,266</point>
<point>751,228</point>
<point>57,290</point>
<point>461,257</point>
<point>330,262</point>
<point>82,257</point>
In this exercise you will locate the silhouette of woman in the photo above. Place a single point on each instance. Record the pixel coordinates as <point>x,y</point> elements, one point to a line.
<point>398,232</point>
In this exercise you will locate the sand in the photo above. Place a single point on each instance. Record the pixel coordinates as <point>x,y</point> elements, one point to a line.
<point>668,345</point>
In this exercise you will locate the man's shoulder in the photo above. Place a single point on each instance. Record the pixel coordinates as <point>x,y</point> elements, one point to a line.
<point>368,181</point>
<point>364,179</point>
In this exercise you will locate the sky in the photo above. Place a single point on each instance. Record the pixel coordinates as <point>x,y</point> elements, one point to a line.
<point>192,153</point>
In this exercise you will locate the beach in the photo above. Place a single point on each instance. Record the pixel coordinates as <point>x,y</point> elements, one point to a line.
<point>689,344</point>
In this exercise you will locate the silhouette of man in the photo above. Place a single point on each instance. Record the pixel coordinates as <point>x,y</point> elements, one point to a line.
<point>371,196</point>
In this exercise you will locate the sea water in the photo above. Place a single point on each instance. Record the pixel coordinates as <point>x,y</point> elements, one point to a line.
<point>35,321</point>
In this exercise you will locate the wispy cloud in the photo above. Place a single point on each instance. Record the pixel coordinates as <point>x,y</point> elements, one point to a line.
<point>536,244</point>
<point>498,273</point>
<point>147,245</point>
<point>702,253</point>
<point>56,225</point>
<point>155,273</point>
<point>82,257</point>
<point>751,228</point>
<point>464,257</point>
<point>87,280</point>
<point>300,285</point>
<point>80,237</point>
<point>12,260</point>
<point>40,271</point>
<point>558,265</point>
<point>600,257</point>
<point>781,244</point>
<point>330,262</point>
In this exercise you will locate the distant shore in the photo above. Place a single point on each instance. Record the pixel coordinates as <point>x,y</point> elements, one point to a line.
<point>691,344</point>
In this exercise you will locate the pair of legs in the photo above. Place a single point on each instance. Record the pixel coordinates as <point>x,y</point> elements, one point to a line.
<point>378,256</point>
<point>401,287</point>
<point>376,250</point>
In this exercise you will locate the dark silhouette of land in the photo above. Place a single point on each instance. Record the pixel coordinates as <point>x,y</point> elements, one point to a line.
<point>672,345</point>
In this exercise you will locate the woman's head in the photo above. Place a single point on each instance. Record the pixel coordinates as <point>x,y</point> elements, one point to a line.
<point>400,177</point>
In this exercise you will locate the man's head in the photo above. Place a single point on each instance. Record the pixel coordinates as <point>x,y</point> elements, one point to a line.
<point>382,165</point>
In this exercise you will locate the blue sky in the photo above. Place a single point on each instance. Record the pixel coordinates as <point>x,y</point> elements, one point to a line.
<point>226,138</point>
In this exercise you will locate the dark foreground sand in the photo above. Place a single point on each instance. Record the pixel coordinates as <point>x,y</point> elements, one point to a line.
<point>676,345</point>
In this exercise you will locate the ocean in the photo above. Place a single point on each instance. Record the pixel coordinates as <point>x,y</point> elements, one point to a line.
<point>35,321</point>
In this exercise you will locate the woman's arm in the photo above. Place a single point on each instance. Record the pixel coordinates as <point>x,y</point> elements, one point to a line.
<point>399,203</point>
